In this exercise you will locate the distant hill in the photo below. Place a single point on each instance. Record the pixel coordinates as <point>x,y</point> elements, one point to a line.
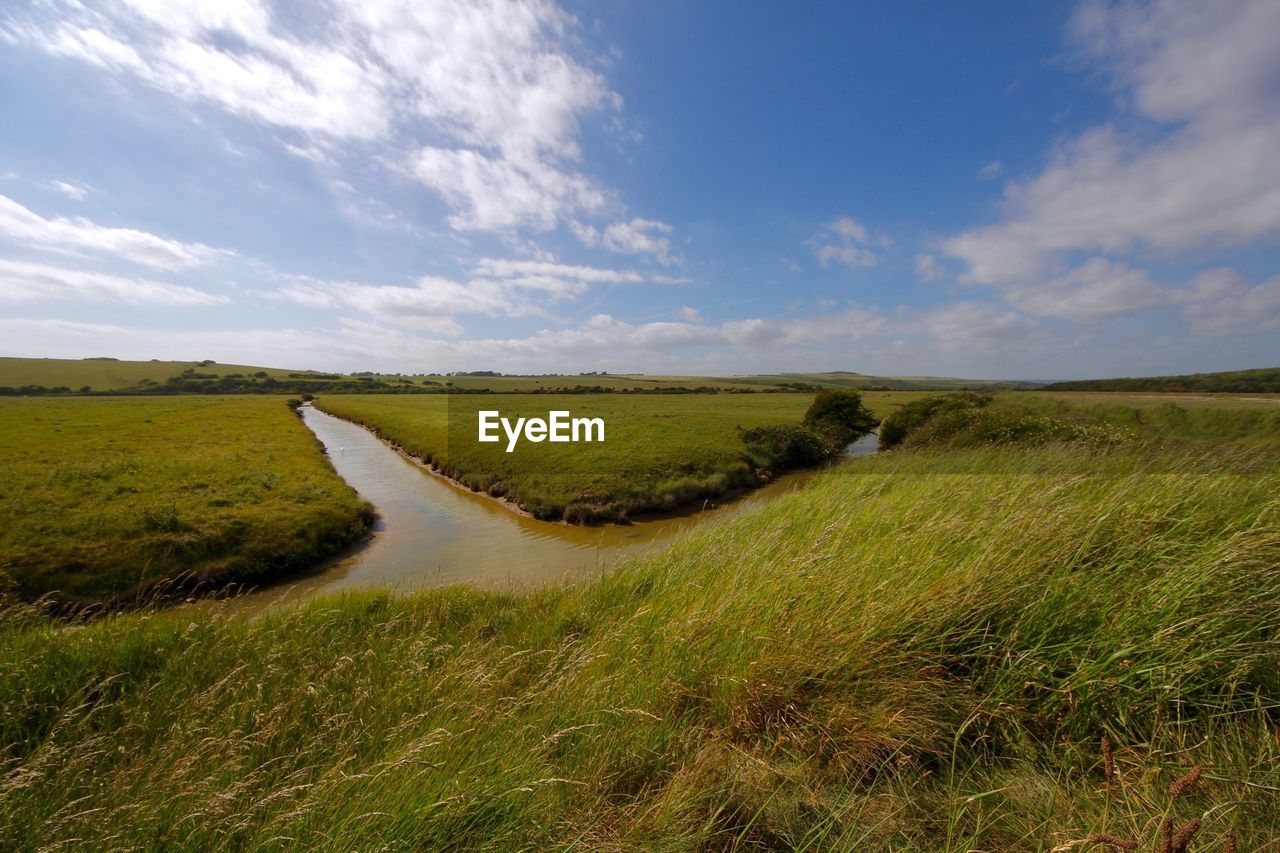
<point>39,376</point>
<point>848,379</point>
<point>1265,380</point>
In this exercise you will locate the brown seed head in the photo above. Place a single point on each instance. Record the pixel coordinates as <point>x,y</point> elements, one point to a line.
<point>1108,759</point>
<point>1231,841</point>
<point>1166,836</point>
<point>1183,838</point>
<point>1122,843</point>
<point>1180,787</point>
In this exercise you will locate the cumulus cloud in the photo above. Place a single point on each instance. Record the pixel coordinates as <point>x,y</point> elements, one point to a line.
<point>845,241</point>
<point>1223,302</point>
<point>1209,75</point>
<point>80,236</point>
<point>492,193</point>
<point>21,281</point>
<point>637,237</point>
<point>1095,289</point>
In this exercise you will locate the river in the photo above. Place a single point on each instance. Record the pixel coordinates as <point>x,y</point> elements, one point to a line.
<point>431,532</point>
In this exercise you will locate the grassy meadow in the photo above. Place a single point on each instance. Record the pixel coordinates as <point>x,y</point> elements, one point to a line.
<point>110,374</point>
<point>1221,419</point>
<point>920,651</point>
<point>104,499</point>
<point>660,452</point>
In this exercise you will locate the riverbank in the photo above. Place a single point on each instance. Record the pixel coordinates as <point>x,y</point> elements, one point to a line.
<point>921,651</point>
<point>863,446</point>
<point>664,456</point>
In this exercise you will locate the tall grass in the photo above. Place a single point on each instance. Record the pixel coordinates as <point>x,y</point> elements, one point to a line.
<point>1216,420</point>
<point>920,651</point>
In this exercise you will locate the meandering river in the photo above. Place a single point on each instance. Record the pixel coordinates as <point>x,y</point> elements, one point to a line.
<point>431,532</point>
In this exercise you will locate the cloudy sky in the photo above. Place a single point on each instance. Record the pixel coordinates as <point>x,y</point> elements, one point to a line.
<point>1039,191</point>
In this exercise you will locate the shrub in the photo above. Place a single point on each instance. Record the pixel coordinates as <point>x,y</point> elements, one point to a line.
<point>896,427</point>
<point>840,416</point>
<point>783,446</point>
<point>974,427</point>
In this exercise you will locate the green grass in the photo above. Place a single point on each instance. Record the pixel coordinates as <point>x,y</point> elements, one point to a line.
<point>103,498</point>
<point>1214,420</point>
<point>660,451</point>
<point>920,651</point>
<point>102,374</point>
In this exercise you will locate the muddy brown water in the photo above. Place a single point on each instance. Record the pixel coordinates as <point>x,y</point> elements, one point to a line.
<point>431,532</point>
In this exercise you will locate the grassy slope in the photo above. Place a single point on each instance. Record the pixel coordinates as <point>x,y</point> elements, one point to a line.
<point>106,375</point>
<point>102,497</point>
<point>660,451</point>
<point>1214,420</point>
<point>920,651</point>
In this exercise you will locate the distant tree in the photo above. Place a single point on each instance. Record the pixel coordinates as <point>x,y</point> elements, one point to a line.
<point>840,415</point>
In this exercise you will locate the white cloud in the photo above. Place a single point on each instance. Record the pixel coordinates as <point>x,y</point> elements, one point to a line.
<point>495,287</point>
<point>21,281</point>
<point>479,100</point>
<point>690,315</point>
<point>845,241</point>
<point>928,268</point>
<point>991,171</point>
<point>79,236</point>
<point>637,237</point>
<point>1096,289</point>
<point>1209,73</point>
<point>1222,302</point>
<point>492,193</point>
<point>74,192</point>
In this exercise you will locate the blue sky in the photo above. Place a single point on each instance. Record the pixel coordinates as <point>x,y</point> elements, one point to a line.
<point>1037,191</point>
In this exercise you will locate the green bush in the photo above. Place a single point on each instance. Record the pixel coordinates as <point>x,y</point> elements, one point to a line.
<point>896,427</point>
<point>977,427</point>
<point>840,416</point>
<point>784,446</point>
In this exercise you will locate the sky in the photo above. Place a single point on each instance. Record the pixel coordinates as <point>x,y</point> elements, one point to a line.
<point>1029,191</point>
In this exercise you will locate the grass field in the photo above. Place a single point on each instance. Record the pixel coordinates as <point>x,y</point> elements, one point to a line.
<point>920,651</point>
<point>660,451</point>
<point>109,374</point>
<point>1219,419</point>
<point>104,498</point>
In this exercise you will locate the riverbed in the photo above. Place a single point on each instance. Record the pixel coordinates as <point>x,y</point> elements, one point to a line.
<point>431,532</point>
